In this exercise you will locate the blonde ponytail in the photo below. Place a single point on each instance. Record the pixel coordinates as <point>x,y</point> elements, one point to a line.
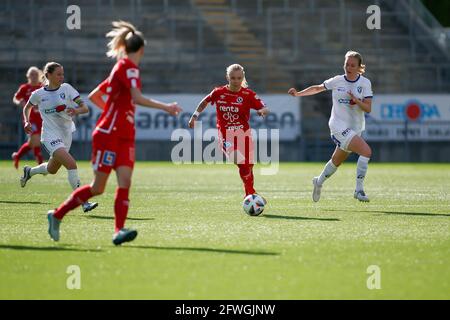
<point>125,38</point>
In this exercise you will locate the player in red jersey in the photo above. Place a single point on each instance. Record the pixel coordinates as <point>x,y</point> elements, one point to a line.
<point>34,76</point>
<point>113,145</point>
<point>233,103</point>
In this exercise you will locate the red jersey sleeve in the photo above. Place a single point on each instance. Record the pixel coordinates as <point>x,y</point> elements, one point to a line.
<point>257,103</point>
<point>21,92</point>
<point>130,77</point>
<point>213,96</point>
<point>103,86</point>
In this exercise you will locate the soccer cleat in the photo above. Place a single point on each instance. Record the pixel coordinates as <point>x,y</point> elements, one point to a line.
<point>88,206</point>
<point>26,176</point>
<point>124,235</point>
<point>15,159</point>
<point>361,196</point>
<point>53,225</point>
<point>317,189</point>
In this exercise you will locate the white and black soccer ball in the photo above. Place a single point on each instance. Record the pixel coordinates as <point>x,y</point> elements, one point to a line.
<point>253,205</point>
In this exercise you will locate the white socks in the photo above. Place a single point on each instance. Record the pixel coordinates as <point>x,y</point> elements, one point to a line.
<point>361,170</point>
<point>327,172</point>
<point>74,181</point>
<point>40,169</point>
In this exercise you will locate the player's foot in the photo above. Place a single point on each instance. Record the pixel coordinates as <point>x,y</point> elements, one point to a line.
<point>53,225</point>
<point>26,176</point>
<point>124,235</point>
<point>317,189</point>
<point>361,196</point>
<point>15,159</point>
<point>88,206</point>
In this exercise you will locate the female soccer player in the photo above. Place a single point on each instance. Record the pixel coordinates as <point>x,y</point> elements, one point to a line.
<point>113,145</point>
<point>352,98</point>
<point>20,99</point>
<point>233,103</point>
<point>57,102</point>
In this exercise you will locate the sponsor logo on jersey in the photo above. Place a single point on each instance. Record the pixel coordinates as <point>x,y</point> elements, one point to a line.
<point>56,109</point>
<point>345,101</point>
<point>109,158</point>
<point>55,142</point>
<point>230,117</point>
<point>345,132</point>
<point>228,109</point>
<point>62,95</point>
<point>132,73</point>
<point>239,99</point>
<point>221,101</point>
<point>359,89</point>
<point>341,89</point>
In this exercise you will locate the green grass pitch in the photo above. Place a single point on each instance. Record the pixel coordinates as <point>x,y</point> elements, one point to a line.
<point>195,242</point>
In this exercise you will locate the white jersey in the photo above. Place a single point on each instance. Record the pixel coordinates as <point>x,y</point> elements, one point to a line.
<point>52,105</point>
<point>344,114</point>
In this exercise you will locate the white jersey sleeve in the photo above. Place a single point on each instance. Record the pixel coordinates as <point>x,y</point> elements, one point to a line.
<point>367,89</point>
<point>35,98</point>
<point>331,83</point>
<point>71,92</point>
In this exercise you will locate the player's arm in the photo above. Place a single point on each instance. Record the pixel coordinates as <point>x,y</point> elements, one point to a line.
<point>18,99</point>
<point>138,98</point>
<point>81,109</point>
<point>308,91</point>
<point>201,106</point>
<point>365,104</point>
<point>26,118</point>
<point>96,96</point>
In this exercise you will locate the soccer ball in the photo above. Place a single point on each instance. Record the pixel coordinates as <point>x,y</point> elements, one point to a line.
<point>253,205</point>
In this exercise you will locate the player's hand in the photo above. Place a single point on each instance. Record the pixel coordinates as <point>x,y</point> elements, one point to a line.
<point>263,112</point>
<point>352,98</point>
<point>292,92</point>
<point>72,112</point>
<point>192,120</point>
<point>27,127</point>
<point>174,109</point>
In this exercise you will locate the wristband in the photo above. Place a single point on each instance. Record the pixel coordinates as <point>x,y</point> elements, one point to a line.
<point>196,114</point>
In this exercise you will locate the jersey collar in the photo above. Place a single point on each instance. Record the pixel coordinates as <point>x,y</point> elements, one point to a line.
<point>47,89</point>
<point>345,77</point>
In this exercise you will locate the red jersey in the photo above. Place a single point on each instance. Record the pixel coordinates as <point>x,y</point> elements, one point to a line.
<point>233,108</point>
<point>117,118</point>
<point>24,93</point>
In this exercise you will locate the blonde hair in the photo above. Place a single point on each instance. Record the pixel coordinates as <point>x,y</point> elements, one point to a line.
<point>35,69</point>
<point>49,67</point>
<point>125,38</point>
<point>237,67</point>
<point>357,55</point>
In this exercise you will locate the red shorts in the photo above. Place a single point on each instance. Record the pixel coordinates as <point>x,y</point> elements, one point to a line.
<point>109,153</point>
<point>238,142</point>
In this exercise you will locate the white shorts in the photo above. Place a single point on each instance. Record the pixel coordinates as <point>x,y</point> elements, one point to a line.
<point>55,143</point>
<point>343,137</point>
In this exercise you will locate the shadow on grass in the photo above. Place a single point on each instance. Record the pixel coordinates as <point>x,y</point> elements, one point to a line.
<point>271,216</point>
<point>258,253</point>
<point>112,218</point>
<point>38,248</point>
<point>424,214</point>
<point>23,202</point>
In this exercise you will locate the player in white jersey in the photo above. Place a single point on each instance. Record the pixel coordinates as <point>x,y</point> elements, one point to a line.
<point>352,98</point>
<point>57,103</point>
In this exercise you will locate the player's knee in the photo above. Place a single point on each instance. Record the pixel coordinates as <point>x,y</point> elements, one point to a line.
<point>368,152</point>
<point>52,170</point>
<point>97,190</point>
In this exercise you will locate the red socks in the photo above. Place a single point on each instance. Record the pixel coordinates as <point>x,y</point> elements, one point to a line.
<point>79,196</point>
<point>246,173</point>
<point>121,208</point>
<point>23,150</point>
<point>38,154</point>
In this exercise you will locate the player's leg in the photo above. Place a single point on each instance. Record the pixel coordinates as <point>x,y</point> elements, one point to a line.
<point>124,164</point>
<point>338,157</point>
<point>78,197</point>
<point>24,148</point>
<point>121,205</point>
<point>52,166</point>
<point>359,146</point>
<point>35,145</point>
